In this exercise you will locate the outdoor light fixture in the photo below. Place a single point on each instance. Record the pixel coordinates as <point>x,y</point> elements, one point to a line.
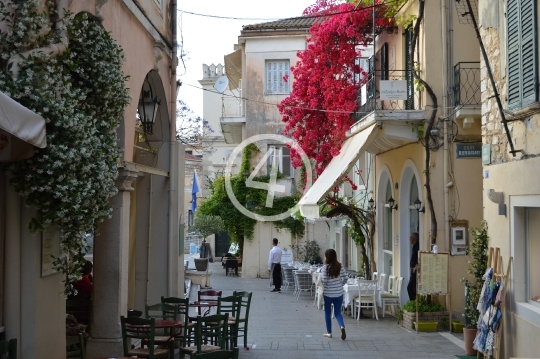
<point>371,204</point>
<point>148,106</point>
<point>392,203</point>
<point>418,205</point>
<point>178,85</point>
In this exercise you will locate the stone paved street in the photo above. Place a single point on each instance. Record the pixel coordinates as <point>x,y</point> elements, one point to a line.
<point>282,327</point>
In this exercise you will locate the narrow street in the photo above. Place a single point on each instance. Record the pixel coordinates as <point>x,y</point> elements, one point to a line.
<point>282,327</point>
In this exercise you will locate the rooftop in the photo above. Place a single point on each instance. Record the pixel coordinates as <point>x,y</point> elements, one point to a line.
<point>294,23</point>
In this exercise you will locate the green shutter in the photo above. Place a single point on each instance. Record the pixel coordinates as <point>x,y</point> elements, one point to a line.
<point>513,46</point>
<point>529,53</point>
<point>409,103</point>
<point>522,53</point>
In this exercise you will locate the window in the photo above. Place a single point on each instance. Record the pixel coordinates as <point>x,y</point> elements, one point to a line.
<point>282,157</point>
<point>190,218</point>
<point>532,252</point>
<point>413,213</point>
<point>276,70</point>
<point>522,53</point>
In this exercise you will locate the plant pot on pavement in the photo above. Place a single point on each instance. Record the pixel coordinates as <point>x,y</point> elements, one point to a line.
<point>468,337</point>
<point>201,264</point>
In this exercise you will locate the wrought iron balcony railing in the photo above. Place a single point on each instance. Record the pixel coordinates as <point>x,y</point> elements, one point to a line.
<point>231,107</point>
<point>387,90</point>
<point>467,84</point>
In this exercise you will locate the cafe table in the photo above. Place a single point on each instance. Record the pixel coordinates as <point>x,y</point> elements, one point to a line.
<point>351,291</point>
<point>209,304</point>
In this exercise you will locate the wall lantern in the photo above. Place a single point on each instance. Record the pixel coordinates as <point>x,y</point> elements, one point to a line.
<point>148,106</point>
<point>371,204</point>
<point>392,203</point>
<point>418,205</point>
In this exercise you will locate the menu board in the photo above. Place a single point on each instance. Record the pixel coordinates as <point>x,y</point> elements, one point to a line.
<point>433,275</point>
<point>286,256</point>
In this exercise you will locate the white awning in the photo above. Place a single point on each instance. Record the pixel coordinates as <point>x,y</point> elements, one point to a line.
<point>233,68</point>
<point>20,130</point>
<point>340,165</point>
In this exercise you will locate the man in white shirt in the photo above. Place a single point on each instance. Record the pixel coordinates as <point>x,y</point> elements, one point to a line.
<point>274,266</point>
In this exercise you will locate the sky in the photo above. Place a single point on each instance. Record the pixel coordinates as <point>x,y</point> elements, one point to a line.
<point>206,40</point>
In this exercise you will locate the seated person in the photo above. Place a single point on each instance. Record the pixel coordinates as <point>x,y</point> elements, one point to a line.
<point>85,285</point>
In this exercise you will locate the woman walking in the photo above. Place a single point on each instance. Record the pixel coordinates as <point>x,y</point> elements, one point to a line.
<point>333,278</point>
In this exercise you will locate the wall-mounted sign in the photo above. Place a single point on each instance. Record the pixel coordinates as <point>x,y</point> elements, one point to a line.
<point>50,246</point>
<point>393,89</point>
<point>468,150</point>
<point>486,154</point>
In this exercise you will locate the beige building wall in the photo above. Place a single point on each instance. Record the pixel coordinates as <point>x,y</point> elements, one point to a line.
<point>515,178</point>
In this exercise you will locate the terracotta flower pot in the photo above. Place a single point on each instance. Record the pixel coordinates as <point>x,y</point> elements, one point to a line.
<point>201,264</point>
<point>468,337</point>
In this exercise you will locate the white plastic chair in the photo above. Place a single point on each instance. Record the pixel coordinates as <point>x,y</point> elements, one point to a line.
<point>288,277</point>
<point>382,282</point>
<point>367,297</point>
<point>303,282</point>
<point>392,299</point>
<point>391,283</point>
<point>375,276</point>
<point>319,288</point>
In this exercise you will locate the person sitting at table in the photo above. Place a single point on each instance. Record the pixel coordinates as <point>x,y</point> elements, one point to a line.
<point>334,278</point>
<point>85,285</point>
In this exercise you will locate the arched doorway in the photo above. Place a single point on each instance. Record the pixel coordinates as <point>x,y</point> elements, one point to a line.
<point>385,225</point>
<point>410,221</point>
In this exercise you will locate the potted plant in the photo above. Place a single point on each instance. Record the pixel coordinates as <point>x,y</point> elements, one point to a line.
<point>206,225</point>
<point>430,313</point>
<point>478,252</point>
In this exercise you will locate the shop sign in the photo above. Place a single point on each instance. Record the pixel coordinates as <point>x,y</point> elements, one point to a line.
<point>469,150</point>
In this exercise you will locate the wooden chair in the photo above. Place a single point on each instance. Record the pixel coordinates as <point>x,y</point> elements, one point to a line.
<point>162,311</point>
<point>231,306</point>
<point>81,309</point>
<point>219,354</point>
<point>182,311</point>
<point>9,348</point>
<point>367,297</point>
<point>143,330</point>
<point>392,298</point>
<point>210,334</point>
<point>206,296</point>
<point>243,321</point>
<point>75,346</point>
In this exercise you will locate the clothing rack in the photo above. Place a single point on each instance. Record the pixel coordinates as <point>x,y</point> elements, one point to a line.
<point>495,261</point>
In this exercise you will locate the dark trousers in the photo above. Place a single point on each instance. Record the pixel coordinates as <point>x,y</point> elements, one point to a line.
<point>276,276</point>
<point>411,287</point>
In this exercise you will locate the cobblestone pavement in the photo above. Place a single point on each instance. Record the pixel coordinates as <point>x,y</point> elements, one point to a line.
<point>282,327</point>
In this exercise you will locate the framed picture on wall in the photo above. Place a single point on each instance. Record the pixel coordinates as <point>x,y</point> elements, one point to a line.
<point>50,247</point>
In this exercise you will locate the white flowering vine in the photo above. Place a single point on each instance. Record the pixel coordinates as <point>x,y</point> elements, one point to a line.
<point>82,95</point>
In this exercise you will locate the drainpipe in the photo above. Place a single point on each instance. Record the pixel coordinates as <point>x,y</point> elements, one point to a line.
<point>446,158</point>
<point>149,245</point>
<point>53,50</point>
<point>173,163</point>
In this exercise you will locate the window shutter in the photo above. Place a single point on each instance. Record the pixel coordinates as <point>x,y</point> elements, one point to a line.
<point>409,103</point>
<point>529,55</point>
<point>513,51</point>
<point>384,62</point>
<point>275,71</point>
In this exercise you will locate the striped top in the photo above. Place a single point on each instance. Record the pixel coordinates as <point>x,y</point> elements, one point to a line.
<point>333,287</point>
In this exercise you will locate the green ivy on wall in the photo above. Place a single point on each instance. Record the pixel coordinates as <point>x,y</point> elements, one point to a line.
<point>81,94</point>
<point>238,225</point>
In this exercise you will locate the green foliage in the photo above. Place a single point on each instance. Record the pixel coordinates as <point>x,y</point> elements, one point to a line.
<point>238,225</point>
<point>478,250</point>
<point>310,252</point>
<point>425,305</point>
<point>81,94</point>
<point>207,225</point>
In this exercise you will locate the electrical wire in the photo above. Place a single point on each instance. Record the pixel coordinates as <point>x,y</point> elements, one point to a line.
<point>313,16</point>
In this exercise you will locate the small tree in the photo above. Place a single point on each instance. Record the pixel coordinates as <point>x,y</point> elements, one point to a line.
<point>206,225</point>
<point>477,268</point>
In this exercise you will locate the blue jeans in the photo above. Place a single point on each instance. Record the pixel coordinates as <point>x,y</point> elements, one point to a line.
<point>337,301</point>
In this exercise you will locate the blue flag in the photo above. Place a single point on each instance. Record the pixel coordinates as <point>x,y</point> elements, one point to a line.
<point>194,191</point>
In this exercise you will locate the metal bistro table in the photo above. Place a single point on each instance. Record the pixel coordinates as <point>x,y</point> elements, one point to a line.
<point>204,304</point>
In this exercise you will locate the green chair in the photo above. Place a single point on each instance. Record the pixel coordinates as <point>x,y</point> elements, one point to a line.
<point>143,330</point>
<point>244,317</point>
<point>75,346</point>
<point>219,354</point>
<point>210,335</point>
<point>231,306</point>
<point>9,348</point>
<point>182,310</point>
<point>163,311</point>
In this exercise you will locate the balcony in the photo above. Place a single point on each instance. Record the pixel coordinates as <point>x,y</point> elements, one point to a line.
<point>232,120</point>
<point>389,95</point>
<point>467,96</point>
